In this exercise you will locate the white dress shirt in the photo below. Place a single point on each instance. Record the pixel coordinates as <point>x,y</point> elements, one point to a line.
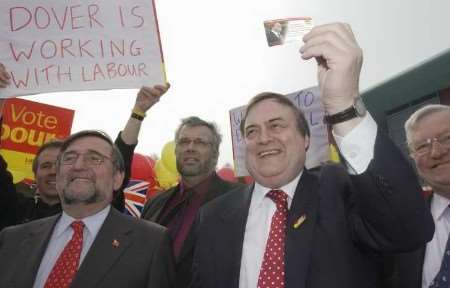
<point>357,147</point>
<point>61,236</point>
<point>435,249</point>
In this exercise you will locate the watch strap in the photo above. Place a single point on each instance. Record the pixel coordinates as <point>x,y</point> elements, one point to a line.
<point>342,116</point>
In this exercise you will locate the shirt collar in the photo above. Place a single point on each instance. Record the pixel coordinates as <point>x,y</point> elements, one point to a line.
<point>438,205</point>
<point>259,192</point>
<point>200,188</point>
<point>92,223</point>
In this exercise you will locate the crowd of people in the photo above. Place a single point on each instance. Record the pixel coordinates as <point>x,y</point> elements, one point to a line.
<point>362,223</point>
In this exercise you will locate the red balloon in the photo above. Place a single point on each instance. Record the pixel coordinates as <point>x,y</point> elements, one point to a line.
<point>227,173</point>
<point>142,168</point>
<point>248,179</point>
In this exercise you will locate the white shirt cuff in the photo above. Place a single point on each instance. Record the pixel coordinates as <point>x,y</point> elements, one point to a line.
<point>357,146</point>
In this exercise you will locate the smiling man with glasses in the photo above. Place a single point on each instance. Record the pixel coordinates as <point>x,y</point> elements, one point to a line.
<point>90,244</point>
<point>428,137</point>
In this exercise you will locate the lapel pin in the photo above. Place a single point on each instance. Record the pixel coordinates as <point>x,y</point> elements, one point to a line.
<point>115,243</point>
<point>299,221</point>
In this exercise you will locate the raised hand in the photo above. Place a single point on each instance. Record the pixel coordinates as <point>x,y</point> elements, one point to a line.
<point>339,60</point>
<point>149,96</point>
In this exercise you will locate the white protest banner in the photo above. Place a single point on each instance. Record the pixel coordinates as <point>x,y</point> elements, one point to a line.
<point>309,101</point>
<point>53,45</point>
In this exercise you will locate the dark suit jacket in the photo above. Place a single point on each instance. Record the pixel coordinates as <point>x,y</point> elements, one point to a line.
<point>350,221</point>
<point>407,268</point>
<point>142,259</point>
<point>153,209</point>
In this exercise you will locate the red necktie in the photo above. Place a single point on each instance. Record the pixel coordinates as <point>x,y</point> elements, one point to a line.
<point>271,274</point>
<point>66,266</point>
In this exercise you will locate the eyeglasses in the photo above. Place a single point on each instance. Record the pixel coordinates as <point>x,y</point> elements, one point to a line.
<point>198,142</point>
<point>90,158</point>
<point>426,146</point>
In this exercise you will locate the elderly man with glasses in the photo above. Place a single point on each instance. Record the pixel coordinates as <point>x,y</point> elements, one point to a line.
<point>428,136</point>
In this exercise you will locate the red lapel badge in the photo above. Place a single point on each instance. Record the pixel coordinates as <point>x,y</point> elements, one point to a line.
<point>115,243</point>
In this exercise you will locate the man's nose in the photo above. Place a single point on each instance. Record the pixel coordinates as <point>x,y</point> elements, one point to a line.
<point>53,168</point>
<point>437,150</point>
<point>79,163</point>
<point>264,136</point>
<point>191,146</point>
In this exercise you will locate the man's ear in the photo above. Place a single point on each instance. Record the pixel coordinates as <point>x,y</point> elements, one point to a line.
<point>118,180</point>
<point>306,143</point>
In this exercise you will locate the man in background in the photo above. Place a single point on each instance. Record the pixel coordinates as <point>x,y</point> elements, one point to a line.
<point>428,136</point>
<point>197,151</point>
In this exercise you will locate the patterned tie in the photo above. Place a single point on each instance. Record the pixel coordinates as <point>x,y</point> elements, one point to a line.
<point>442,279</point>
<point>271,274</point>
<point>66,266</point>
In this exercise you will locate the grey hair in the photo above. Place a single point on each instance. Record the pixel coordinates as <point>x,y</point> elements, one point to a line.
<point>194,121</point>
<point>413,120</point>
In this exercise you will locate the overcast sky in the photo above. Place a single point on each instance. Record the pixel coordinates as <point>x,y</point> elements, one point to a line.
<point>217,59</point>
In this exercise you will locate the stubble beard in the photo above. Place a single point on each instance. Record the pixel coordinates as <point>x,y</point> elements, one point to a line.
<point>200,169</point>
<point>71,197</point>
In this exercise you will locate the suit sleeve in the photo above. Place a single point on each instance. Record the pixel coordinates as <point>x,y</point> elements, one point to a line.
<point>127,152</point>
<point>162,270</point>
<point>389,213</point>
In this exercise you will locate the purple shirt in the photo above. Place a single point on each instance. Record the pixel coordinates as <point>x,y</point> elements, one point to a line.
<point>180,212</point>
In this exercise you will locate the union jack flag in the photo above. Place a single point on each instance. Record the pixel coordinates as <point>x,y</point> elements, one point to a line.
<point>135,197</point>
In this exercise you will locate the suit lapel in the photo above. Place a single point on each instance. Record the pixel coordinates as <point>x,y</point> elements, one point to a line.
<point>170,193</point>
<point>300,230</point>
<point>217,187</point>
<point>112,240</point>
<point>32,250</point>
<point>234,219</point>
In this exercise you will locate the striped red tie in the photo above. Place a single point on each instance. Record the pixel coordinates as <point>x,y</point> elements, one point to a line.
<point>66,266</point>
<point>272,270</point>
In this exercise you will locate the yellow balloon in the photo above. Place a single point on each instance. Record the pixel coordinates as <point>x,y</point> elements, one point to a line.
<point>168,157</point>
<point>165,178</point>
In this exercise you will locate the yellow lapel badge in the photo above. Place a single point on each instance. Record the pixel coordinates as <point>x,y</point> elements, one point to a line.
<point>299,221</point>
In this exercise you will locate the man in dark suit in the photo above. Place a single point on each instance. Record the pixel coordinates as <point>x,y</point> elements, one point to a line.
<point>428,136</point>
<point>197,151</point>
<point>295,229</point>
<point>90,244</point>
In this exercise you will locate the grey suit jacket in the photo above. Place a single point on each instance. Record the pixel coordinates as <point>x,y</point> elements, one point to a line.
<point>143,257</point>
